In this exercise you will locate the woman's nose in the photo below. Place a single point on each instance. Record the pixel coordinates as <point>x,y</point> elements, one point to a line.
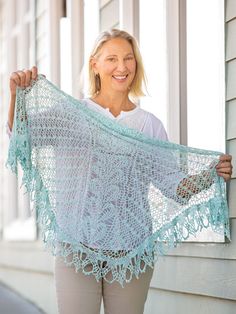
<point>121,66</point>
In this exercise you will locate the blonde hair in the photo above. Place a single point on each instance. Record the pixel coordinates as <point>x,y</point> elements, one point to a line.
<point>139,78</point>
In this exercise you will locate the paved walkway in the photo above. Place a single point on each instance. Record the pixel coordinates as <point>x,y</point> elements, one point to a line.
<point>12,303</point>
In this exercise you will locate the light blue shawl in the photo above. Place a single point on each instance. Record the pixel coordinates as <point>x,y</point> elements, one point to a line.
<point>109,199</point>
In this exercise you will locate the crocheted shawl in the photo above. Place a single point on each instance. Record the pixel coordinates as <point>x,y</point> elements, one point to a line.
<point>108,198</point>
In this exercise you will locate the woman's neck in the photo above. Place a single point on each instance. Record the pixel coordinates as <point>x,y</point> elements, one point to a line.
<point>115,102</point>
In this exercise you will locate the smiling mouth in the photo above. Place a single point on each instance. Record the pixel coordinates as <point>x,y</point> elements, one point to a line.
<point>120,78</point>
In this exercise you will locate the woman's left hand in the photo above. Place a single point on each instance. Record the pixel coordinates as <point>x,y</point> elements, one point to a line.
<point>224,167</point>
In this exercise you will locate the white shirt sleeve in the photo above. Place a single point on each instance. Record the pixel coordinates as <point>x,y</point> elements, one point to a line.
<point>154,128</point>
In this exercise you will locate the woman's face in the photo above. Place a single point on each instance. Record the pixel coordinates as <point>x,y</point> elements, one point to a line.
<point>116,65</point>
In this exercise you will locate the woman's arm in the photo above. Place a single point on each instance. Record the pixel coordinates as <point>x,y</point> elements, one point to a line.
<point>195,184</point>
<point>11,111</point>
<point>22,79</point>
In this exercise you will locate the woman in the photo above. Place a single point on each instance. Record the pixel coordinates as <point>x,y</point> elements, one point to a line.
<point>116,76</point>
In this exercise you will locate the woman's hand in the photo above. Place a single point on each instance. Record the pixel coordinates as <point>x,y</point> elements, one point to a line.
<point>22,79</point>
<point>224,167</point>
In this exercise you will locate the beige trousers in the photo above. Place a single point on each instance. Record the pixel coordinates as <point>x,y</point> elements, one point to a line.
<point>82,294</point>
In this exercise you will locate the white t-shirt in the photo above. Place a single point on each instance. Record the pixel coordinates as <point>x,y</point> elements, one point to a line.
<point>137,118</point>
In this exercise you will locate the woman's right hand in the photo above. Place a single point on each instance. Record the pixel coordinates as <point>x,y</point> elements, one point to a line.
<point>22,79</point>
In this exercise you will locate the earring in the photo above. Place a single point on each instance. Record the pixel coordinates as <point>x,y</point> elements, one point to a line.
<point>97,82</point>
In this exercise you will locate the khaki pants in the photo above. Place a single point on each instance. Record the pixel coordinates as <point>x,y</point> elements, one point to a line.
<point>82,294</point>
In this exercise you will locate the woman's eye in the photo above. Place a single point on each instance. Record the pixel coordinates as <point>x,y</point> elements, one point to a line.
<point>111,59</point>
<point>129,58</point>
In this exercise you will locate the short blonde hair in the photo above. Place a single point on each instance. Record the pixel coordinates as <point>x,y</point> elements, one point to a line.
<point>139,78</point>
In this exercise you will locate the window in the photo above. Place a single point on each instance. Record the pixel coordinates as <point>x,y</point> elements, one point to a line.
<point>205,73</point>
<point>153,44</point>
<point>182,44</point>
<point>206,81</point>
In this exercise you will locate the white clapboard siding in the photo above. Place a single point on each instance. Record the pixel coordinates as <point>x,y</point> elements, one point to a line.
<point>232,200</point>
<point>231,79</point>
<point>231,98</point>
<point>230,40</point>
<point>169,302</point>
<point>230,9</point>
<point>232,150</point>
<point>199,276</point>
<point>231,119</point>
<point>230,6</point>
